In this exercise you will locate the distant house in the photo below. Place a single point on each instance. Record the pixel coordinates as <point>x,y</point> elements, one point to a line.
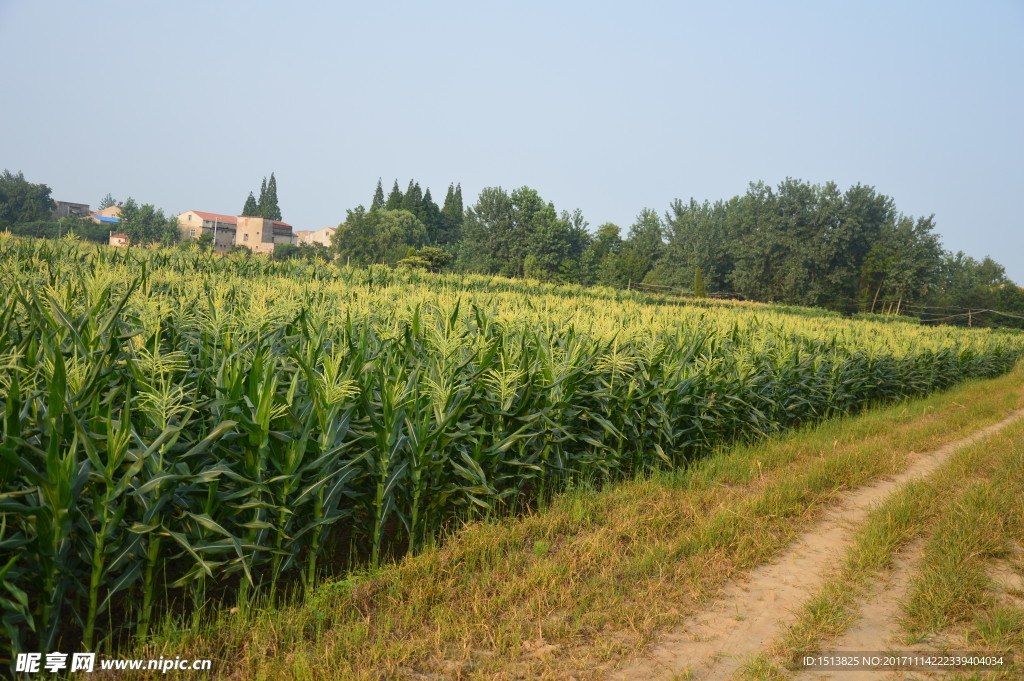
<point>110,212</point>
<point>259,235</point>
<point>319,236</point>
<point>67,209</point>
<point>194,224</point>
<point>118,239</point>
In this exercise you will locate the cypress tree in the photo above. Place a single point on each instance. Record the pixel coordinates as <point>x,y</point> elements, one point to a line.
<point>271,209</point>
<point>449,199</point>
<point>451,216</point>
<point>431,218</point>
<point>453,204</point>
<point>378,197</point>
<point>394,198</point>
<point>262,203</point>
<point>250,208</point>
<point>413,199</point>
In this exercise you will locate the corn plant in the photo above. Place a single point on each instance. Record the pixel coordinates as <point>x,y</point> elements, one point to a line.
<point>179,427</point>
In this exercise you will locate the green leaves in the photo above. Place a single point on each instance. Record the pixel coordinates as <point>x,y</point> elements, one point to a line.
<point>177,426</point>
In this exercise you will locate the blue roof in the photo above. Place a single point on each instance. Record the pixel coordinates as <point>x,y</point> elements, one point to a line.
<point>102,218</point>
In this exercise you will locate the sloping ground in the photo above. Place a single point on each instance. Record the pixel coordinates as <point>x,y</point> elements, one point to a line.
<point>959,591</point>
<point>586,587</point>
<point>875,581</point>
<point>747,615</point>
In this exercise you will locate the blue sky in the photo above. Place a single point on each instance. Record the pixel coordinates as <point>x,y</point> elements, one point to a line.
<point>606,107</point>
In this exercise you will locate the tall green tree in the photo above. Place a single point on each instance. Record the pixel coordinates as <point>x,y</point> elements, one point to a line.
<point>378,197</point>
<point>798,243</point>
<point>398,231</point>
<point>412,200</point>
<point>449,199</point>
<point>903,263</point>
<point>519,234</point>
<point>607,239</point>
<point>644,247</point>
<point>545,237</point>
<point>261,202</point>
<point>269,208</point>
<point>146,224</point>
<point>251,208</point>
<point>576,266</point>
<point>394,201</point>
<point>602,256</point>
<point>22,201</point>
<point>488,234</point>
<point>698,239</point>
<point>430,216</point>
<point>451,216</point>
<point>107,201</point>
<point>378,236</point>
<point>353,240</point>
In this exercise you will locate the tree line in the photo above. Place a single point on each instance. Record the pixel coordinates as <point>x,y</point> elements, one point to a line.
<point>797,243</point>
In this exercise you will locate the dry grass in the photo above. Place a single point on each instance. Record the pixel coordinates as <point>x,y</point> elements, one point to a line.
<point>964,506</point>
<point>955,602</point>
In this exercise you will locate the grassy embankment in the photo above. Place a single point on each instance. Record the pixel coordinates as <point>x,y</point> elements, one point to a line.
<point>969,514</point>
<point>592,578</point>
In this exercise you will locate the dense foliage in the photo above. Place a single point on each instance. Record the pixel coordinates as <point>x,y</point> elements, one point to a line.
<point>179,425</point>
<point>798,243</point>
<point>392,226</point>
<point>22,201</point>
<point>147,224</point>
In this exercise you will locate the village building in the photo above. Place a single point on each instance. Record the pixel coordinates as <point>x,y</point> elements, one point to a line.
<point>319,236</point>
<point>109,212</point>
<point>109,215</point>
<point>68,209</point>
<point>259,235</point>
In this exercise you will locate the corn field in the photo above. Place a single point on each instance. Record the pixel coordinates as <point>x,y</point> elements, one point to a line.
<point>180,427</point>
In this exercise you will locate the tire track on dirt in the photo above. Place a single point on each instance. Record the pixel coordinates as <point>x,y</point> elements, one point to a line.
<point>747,615</point>
<point>878,626</point>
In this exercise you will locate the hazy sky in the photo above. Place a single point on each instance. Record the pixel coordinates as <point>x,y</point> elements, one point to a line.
<point>607,107</point>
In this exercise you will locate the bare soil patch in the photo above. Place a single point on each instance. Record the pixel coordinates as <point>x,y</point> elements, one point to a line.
<point>748,615</point>
<point>878,626</point>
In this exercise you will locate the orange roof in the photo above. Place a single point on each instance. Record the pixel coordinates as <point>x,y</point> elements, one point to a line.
<point>232,219</point>
<point>216,216</point>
